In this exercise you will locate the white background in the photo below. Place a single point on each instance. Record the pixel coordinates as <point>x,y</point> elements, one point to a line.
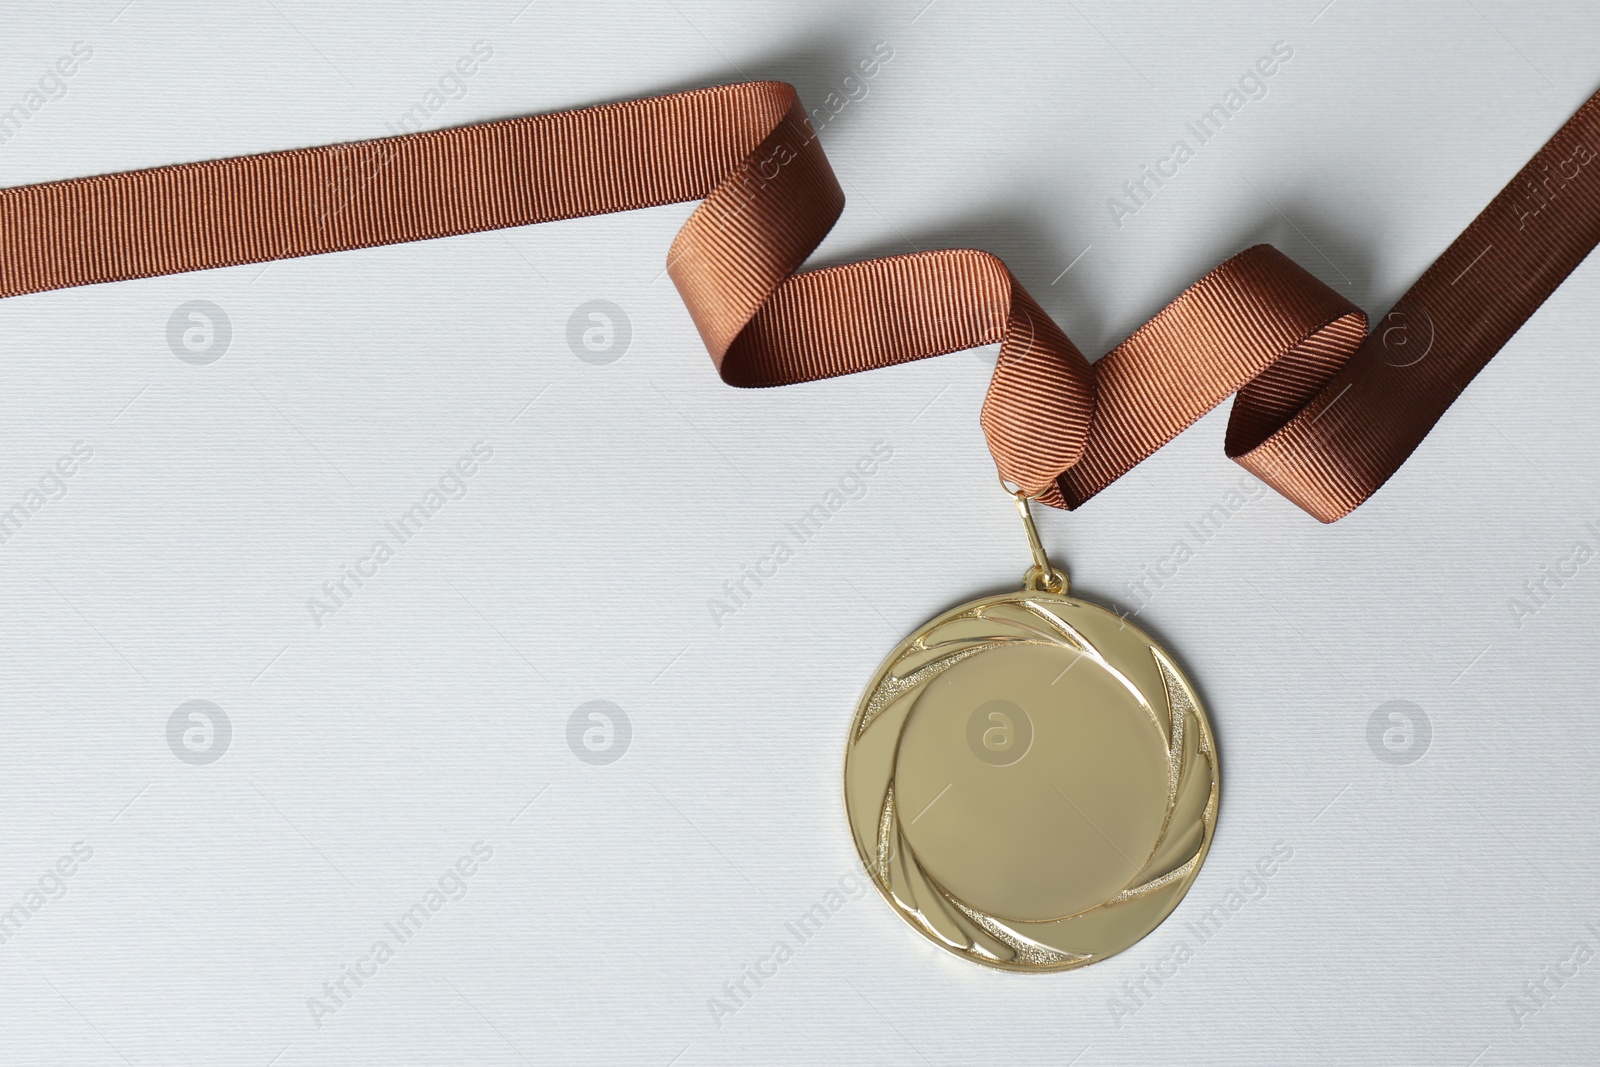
<point>370,752</point>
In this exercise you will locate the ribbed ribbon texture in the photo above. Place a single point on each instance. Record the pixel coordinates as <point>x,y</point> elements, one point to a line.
<point>1325,412</point>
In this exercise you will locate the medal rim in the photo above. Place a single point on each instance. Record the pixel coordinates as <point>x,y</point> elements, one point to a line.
<point>1202,717</point>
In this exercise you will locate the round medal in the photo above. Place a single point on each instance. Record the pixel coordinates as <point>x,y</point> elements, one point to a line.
<point>1031,781</point>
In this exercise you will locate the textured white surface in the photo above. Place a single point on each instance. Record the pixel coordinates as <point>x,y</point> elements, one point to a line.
<point>370,753</point>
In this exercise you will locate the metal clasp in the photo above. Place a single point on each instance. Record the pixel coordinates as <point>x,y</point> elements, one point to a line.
<point>1043,576</point>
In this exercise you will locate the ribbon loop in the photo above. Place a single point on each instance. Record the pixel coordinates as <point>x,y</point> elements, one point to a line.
<point>1325,413</point>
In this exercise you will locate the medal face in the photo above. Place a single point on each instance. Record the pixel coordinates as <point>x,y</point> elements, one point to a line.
<point>1031,782</point>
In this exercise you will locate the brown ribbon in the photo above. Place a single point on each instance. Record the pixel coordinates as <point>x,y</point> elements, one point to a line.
<point>1325,413</point>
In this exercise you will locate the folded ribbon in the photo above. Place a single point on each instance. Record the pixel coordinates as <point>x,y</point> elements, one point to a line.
<point>1325,413</point>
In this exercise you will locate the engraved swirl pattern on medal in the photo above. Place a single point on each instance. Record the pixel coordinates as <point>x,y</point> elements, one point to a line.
<point>1067,941</point>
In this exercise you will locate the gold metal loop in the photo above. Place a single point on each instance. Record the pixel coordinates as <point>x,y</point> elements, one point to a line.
<point>1043,576</point>
<point>1052,581</point>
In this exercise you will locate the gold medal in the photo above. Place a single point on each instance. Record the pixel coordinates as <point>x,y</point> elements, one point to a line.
<point>1030,780</point>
